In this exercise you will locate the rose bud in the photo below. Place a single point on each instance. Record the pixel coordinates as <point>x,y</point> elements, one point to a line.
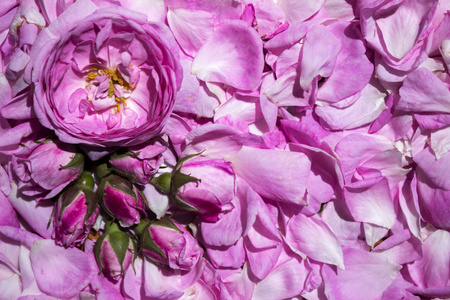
<point>45,168</point>
<point>76,212</point>
<point>122,200</point>
<point>167,242</point>
<point>140,162</point>
<point>114,251</point>
<point>207,190</point>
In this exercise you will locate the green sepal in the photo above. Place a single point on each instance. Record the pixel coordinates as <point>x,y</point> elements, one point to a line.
<point>183,205</point>
<point>77,162</point>
<point>167,223</point>
<point>124,155</point>
<point>184,159</point>
<point>52,215</point>
<point>117,183</point>
<point>179,179</point>
<point>119,241</point>
<point>162,182</point>
<point>43,142</point>
<point>103,170</point>
<point>85,181</point>
<point>146,242</point>
<point>91,203</point>
<point>97,250</point>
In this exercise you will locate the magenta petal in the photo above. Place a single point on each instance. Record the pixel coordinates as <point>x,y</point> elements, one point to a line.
<point>61,272</point>
<point>225,58</point>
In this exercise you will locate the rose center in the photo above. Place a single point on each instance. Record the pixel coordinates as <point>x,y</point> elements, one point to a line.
<point>107,89</point>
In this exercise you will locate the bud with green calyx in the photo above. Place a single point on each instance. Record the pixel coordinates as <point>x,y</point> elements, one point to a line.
<point>139,163</point>
<point>122,200</point>
<point>203,185</point>
<point>168,243</point>
<point>76,212</point>
<point>114,251</point>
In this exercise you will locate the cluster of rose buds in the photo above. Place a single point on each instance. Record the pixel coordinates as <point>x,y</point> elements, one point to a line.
<point>225,149</point>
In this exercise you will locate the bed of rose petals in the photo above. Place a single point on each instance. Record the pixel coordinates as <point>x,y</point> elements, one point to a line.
<point>224,149</point>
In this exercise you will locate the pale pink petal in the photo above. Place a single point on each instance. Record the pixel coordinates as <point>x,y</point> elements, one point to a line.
<point>433,202</point>
<point>227,59</point>
<point>338,219</point>
<point>401,28</point>
<point>274,174</point>
<point>193,97</point>
<point>191,28</point>
<point>314,238</point>
<point>319,53</point>
<point>401,248</point>
<point>440,141</point>
<point>298,11</point>
<point>370,201</point>
<point>422,91</point>
<point>10,287</point>
<point>408,200</point>
<point>227,256</point>
<point>154,9</point>
<point>285,281</point>
<point>366,109</point>
<point>353,70</point>
<point>357,148</point>
<point>433,169</point>
<point>373,233</point>
<point>366,276</point>
<point>37,215</point>
<point>239,285</point>
<point>340,9</point>
<point>433,270</point>
<point>61,272</point>
<point>285,92</point>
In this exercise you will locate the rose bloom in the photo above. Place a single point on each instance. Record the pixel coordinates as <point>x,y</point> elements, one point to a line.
<point>104,77</point>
